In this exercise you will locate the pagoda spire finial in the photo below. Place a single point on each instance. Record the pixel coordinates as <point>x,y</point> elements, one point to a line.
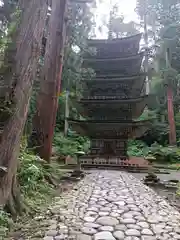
<point>110,32</point>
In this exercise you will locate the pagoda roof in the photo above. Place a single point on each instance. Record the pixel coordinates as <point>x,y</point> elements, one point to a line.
<point>114,79</point>
<point>121,107</point>
<point>118,86</point>
<point>110,129</point>
<point>114,47</point>
<point>97,42</point>
<point>125,66</point>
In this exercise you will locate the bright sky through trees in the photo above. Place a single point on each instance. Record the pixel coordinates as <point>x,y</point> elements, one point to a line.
<point>126,8</point>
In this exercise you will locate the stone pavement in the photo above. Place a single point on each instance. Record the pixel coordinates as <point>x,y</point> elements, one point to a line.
<point>110,205</point>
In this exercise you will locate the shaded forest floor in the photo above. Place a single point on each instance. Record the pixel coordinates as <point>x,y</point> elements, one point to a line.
<point>33,226</point>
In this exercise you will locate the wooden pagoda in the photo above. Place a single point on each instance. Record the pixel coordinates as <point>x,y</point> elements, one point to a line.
<point>112,100</point>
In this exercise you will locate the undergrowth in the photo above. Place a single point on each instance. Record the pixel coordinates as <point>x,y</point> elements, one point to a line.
<point>137,148</point>
<point>68,146</point>
<point>37,181</point>
<point>161,154</point>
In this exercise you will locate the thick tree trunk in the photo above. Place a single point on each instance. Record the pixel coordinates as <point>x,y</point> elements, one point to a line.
<point>26,59</point>
<point>146,53</point>
<point>172,128</point>
<point>47,102</point>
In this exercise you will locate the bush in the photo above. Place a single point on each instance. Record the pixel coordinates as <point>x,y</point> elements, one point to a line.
<point>35,177</point>
<point>68,146</point>
<point>161,154</point>
<point>137,148</point>
<point>165,154</point>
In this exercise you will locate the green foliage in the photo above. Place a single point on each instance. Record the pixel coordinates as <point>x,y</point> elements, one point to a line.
<point>156,152</point>
<point>4,218</point>
<point>137,148</point>
<point>5,223</point>
<point>162,18</point>
<point>30,172</point>
<point>68,146</point>
<point>165,154</point>
<point>177,121</point>
<point>34,176</point>
<point>79,26</point>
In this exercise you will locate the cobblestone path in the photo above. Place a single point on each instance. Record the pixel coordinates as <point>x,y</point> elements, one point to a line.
<point>110,205</point>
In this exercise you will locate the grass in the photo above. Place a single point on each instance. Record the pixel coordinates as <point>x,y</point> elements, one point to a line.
<point>35,178</point>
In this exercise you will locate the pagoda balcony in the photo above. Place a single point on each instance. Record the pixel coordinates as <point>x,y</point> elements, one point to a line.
<point>113,108</point>
<point>119,47</point>
<point>114,88</point>
<point>126,66</point>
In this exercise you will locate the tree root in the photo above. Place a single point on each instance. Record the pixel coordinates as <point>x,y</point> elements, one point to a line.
<point>15,204</point>
<point>51,180</point>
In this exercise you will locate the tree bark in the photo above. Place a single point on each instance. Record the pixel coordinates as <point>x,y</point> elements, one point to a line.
<point>172,128</point>
<point>28,47</point>
<point>47,101</point>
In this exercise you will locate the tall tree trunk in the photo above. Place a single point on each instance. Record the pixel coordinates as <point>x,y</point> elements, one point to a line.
<point>28,46</point>
<point>172,128</point>
<point>47,102</point>
<point>66,125</point>
<point>146,51</point>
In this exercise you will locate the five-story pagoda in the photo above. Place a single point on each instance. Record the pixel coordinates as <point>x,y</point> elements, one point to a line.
<point>112,100</point>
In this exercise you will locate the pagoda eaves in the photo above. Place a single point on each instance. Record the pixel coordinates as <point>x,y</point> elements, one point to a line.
<point>107,48</point>
<point>110,129</point>
<point>117,87</point>
<point>127,66</point>
<point>131,107</point>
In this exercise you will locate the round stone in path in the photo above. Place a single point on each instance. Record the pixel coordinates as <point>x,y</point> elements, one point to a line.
<point>88,230</point>
<point>83,237</point>
<point>132,238</point>
<point>91,225</point>
<point>52,233</point>
<point>153,220</point>
<point>133,226</point>
<point>114,214</point>
<point>148,238</point>
<point>94,209</point>
<point>103,213</point>
<point>120,203</point>
<point>89,219</point>
<point>127,215</point>
<point>61,237</point>
<point>121,227</point>
<point>91,213</point>
<point>118,235</point>
<point>132,232</point>
<point>143,224</point>
<point>108,221</point>
<point>105,209</point>
<point>128,221</point>
<point>104,235</point>
<point>147,231</point>
<point>106,228</point>
<point>48,238</point>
